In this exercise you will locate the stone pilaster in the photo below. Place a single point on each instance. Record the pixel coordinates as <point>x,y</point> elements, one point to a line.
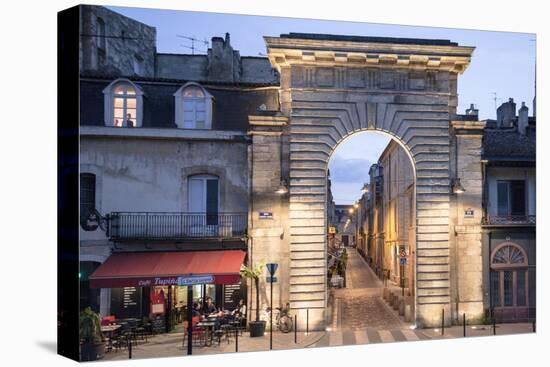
<point>466,216</point>
<point>268,237</point>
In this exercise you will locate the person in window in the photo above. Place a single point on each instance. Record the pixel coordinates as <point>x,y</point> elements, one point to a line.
<point>129,121</point>
<point>209,307</point>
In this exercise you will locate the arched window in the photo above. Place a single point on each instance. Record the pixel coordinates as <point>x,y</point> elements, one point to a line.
<point>123,104</point>
<point>193,107</point>
<point>509,278</point>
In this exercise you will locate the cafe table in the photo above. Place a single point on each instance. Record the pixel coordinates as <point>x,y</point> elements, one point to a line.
<point>210,326</point>
<point>109,330</point>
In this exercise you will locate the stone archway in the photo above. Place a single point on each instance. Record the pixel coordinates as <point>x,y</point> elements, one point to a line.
<point>332,87</point>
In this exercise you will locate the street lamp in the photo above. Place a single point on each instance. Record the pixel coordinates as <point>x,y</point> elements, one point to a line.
<point>282,189</point>
<point>365,188</point>
<point>350,210</point>
<point>457,187</point>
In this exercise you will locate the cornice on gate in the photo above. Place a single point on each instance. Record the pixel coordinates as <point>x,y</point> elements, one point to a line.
<point>283,52</point>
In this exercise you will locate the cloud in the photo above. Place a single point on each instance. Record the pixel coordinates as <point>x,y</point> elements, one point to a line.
<point>349,169</point>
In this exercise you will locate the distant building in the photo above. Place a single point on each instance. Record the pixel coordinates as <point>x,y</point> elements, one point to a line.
<point>509,204</point>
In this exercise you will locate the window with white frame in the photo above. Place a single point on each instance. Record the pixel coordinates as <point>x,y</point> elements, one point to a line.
<point>123,104</point>
<point>203,197</point>
<point>193,107</point>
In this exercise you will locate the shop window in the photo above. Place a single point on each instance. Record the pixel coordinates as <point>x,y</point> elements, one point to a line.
<point>193,107</point>
<point>123,104</point>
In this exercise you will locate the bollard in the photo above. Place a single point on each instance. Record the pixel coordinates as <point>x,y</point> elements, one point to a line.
<point>129,342</point>
<point>307,321</point>
<point>534,326</point>
<point>295,329</point>
<point>464,323</point>
<point>494,324</point>
<point>236,340</point>
<point>442,322</point>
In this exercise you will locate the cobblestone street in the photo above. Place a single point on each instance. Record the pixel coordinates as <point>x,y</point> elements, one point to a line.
<point>360,305</point>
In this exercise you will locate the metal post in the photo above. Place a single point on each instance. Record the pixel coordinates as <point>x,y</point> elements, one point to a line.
<point>402,281</point>
<point>129,342</point>
<point>189,319</point>
<point>296,329</point>
<point>534,326</point>
<point>494,322</point>
<point>271,316</point>
<point>464,323</point>
<point>307,321</point>
<point>443,322</point>
<point>236,340</point>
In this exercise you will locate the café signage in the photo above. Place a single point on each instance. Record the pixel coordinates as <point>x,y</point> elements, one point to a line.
<point>192,280</point>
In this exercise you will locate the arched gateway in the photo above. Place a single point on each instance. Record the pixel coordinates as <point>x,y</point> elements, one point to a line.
<point>331,87</point>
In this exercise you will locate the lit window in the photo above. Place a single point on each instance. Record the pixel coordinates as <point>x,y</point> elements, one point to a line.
<point>123,104</point>
<point>193,107</point>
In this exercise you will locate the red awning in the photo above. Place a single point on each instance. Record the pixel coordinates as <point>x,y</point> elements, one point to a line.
<point>142,269</point>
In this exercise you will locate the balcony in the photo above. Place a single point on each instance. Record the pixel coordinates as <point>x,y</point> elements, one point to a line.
<point>124,226</point>
<point>507,220</point>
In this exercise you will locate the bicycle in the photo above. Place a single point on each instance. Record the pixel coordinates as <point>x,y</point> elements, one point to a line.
<point>283,320</point>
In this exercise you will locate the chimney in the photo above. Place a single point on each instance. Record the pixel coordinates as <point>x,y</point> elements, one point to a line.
<point>224,63</point>
<point>523,119</point>
<point>472,111</point>
<point>227,39</point>
<point>506,114</point>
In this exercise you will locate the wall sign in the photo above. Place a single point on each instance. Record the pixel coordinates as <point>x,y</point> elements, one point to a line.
<point>468,213</point>
<point>266,215</point>
<point>192,280</point>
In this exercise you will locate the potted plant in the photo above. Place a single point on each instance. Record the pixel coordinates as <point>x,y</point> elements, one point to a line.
<point>92,342</point>
<point>257,328</point>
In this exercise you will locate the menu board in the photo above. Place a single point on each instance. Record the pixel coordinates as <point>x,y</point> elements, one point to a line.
<point>126,302</point>
<point>232,293</point>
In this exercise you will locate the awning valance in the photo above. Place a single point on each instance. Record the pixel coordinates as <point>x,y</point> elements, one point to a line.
<point>142,269</point>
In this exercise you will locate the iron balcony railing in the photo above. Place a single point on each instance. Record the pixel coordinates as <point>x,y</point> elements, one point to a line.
<point>176,225</point>
<point>510,219</point>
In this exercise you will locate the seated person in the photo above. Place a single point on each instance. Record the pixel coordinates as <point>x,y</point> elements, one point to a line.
<point>240,311</point>
<point>196,309</point>
<point>209,307</point>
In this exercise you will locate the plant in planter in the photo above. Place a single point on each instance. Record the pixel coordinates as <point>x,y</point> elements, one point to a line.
<point>92,343</point>
<point>257,328</point>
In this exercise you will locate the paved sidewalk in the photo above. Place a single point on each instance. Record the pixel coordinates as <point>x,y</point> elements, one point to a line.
<point>170,345</point>
<point>457,331</point>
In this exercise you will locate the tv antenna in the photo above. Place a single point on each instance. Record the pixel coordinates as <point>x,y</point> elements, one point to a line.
<point>495,98</point>
<point>193,40</point>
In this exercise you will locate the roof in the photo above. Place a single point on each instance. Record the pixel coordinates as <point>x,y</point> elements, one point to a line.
<point>369,39</point>
<point>136,78</point>
<point>508,145</point>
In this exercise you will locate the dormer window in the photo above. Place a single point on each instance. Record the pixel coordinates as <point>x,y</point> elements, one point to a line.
<point>123,104</point>
<point>193,107</point>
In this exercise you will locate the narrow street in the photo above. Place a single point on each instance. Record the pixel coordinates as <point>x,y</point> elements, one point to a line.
<point>360,315</point>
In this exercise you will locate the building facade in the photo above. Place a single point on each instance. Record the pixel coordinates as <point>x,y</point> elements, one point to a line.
<point>220,152</point>
<point>509,226</point>
<point>164,150</point>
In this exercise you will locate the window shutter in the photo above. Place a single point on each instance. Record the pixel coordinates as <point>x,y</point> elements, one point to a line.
<point>212,202</point>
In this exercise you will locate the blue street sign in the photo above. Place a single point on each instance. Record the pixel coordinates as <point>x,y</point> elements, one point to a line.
<point>192,280</point>
<point>403,261</point>
<point>272,268</point>
<point>271,279</point>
